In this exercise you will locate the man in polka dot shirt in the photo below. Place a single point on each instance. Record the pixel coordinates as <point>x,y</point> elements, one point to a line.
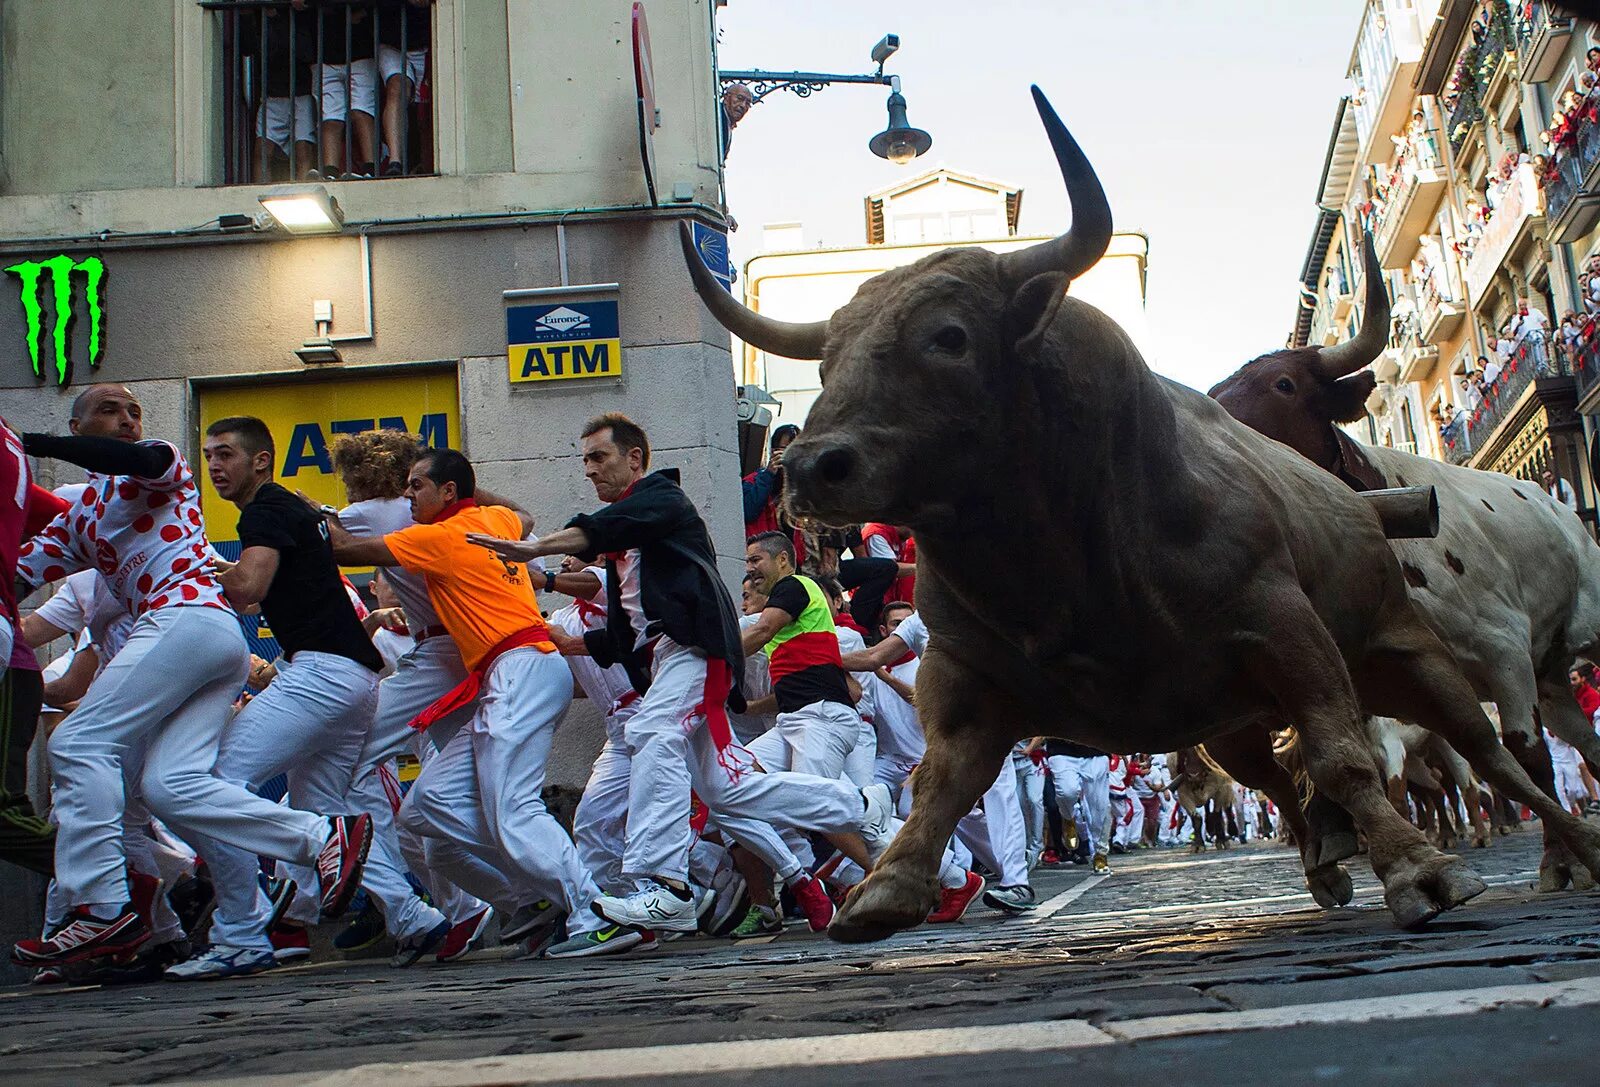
<point>158,710</point>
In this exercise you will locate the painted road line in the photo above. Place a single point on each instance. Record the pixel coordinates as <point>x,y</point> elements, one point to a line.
<point>783,1054</point>
<point>1050,907</point>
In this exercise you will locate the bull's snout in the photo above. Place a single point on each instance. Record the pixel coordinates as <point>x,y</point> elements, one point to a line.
<point>819,471</point>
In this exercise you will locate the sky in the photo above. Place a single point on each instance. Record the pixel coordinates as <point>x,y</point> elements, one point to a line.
<point>1207,121</point>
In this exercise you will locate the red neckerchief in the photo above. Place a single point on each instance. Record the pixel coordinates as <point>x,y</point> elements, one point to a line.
<point>452,509</point>
<point>588,609</point>
<point>910,656</point>
<point>616,556</point>
<point>843,619</point>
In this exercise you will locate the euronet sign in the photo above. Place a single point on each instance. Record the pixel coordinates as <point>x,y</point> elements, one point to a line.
<point>60,271</point>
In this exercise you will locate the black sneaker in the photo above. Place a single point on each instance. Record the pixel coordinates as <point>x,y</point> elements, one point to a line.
<point>193,898</point>
<point>364,930</point>
<point>1017,899</point>
<point>393,170</point>
<point>409,950</point>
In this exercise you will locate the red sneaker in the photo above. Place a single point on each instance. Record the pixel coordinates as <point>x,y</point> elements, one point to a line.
<point>142,892</point>
<point>954,902</point>
<point>1050,856</point>
<point>813,902</point>
<point>341,860</point>
<point>84,936</point>
<point>464,936</point>
<point>289,942</point>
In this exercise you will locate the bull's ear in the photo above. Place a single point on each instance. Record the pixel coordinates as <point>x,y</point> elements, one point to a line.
<point>1347,399</point>
<point>1030,310</point>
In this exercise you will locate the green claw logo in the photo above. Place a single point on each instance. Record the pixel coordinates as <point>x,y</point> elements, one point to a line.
<point>31,273</point>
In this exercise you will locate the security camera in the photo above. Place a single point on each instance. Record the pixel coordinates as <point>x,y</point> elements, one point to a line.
<point>885,48</point>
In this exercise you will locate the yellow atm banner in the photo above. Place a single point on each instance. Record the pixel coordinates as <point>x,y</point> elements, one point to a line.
<point>559,341</point>
<point>306,416</point>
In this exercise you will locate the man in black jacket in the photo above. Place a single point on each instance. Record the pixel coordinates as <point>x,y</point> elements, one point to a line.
<point>672,623</point>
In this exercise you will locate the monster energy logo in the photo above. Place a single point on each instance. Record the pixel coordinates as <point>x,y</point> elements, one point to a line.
<point>31,273</point>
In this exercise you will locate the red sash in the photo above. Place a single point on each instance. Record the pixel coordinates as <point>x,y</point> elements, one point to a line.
<point>464,692</point>
<point>713,707</point>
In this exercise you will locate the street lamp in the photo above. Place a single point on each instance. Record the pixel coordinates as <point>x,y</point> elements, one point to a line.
<point>898,142</point>
<point>303,209</point>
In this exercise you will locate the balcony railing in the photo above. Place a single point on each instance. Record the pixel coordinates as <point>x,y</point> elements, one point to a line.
<point>1571,182</point>
<point>1541,36</point>
<point>1530,360</point>
<point>337,92</point>
<point>1466,113</point>
<point>1586,365</point>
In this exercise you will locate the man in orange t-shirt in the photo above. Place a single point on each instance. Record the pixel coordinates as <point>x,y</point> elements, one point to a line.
<point>483,789</point>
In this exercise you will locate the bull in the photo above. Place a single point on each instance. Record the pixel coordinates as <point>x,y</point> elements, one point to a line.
<point>967,395</point>
<point>1511,582</point>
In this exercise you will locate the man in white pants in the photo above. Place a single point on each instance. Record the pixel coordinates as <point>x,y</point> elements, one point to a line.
<point>1030,794</point>
<point>171,688</point>
<point>671,623</point>
<point>1082,775</point>
<point>483,789</point>
<point>312,719</point>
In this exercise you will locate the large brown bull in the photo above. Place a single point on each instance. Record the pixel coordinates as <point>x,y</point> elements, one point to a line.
<point>1511,582</point>
<point>966,396</point>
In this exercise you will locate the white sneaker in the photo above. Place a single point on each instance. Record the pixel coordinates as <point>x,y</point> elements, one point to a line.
<point>654,907</point>
<point>877,823</point>
<point>221,961</point>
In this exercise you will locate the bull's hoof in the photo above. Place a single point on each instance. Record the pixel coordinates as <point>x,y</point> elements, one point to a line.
<point>884,903</point>
<point>1584,843</point>
<point>1553,877</point>
<point>1330,886</point>
<point>1197,846</point>
<point>1430,888</point>
<point>1480,841</point>
<point>1336,847</point>
<point>1582,880</point>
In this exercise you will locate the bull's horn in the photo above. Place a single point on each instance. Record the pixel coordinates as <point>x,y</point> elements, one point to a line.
<point>1342,360</point>
<point>791,340</point>
<point>1075,251</point>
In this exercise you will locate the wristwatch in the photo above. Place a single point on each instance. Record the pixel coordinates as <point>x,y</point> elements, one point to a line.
<point>328,511</point>
<point>549,580</point>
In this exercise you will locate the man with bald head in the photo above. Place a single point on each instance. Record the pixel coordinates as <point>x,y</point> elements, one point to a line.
<point>156,713</point>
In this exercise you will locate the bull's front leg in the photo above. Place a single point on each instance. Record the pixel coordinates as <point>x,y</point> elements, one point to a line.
<point>970,725</point>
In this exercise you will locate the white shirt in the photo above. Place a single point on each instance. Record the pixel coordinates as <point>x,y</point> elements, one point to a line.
<point>147,538</point>
<point>86,603</point>
<point>914,632</point>
<point>851,641</point>
<point>878,548</point>
<point>604,686</point>
<point>1562,492</point>
<point>374,518</point>
<point>895,720</point>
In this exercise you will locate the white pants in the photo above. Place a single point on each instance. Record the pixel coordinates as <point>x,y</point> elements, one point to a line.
<point>414,65</point>
<point>1030,795</point>
<point>1128,815</point>
<point>1085,781</point>
<point>599,827</point>
<point>673,750</point>
<point>483,790</point>
<point>431,669</point>
<point>449,898</point>
<point>816,739</point>
<point>996,834</point>
<point>861,765</point>
<point>147,856</point>
<point>345,86</point>
<point>1569,780</point>
<point>309,722</point>
<point>171,688</point>
<point>287,121</point>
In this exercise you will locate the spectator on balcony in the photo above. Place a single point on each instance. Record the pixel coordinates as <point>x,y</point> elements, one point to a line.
<point>285,114</point>
<point>1592,58</point>
<point>1529,322</point>
<point>407,23</point>
<point>737,98</point>
<point>348,77</point>
<point>1490,367</point>
<point>1474,389</point>
<point>1559,489</point>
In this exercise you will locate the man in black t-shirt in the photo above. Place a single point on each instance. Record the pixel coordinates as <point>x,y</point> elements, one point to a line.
<point>310,722</point>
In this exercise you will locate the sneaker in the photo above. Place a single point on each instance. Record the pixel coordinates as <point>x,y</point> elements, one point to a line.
<point>464,936</point>
<point>953,902</point>
<point>1050,858</point>
<point>145,965</point>
<point>84,936</point>
<point>1016,899</point>
<point>605,941</point>
<point>289,942</point>
<point>814,903</point>
<point>654,907</point>
<point>142,892</point>
<point>341,860</point>
<point>412,948</point>
<point>222,961</point>
<point>729,905</point>
<point>1069,833</point>
<point>280,892</point>
<point>193,898</point>
<point>527,918</point>
<point>760,921</point>
<point>364,930</point>
<point>329,172</point>
<point>393,169</point>
<point>534,945</point>
<point>1102,866</point>
<point>49,975</point>
<point>877,825</point>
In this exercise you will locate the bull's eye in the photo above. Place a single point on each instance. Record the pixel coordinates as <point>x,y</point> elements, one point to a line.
<point>1284,385</point>
<point>950,338</point>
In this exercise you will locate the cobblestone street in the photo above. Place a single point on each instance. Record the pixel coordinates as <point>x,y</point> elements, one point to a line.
<point>1212,961</point>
